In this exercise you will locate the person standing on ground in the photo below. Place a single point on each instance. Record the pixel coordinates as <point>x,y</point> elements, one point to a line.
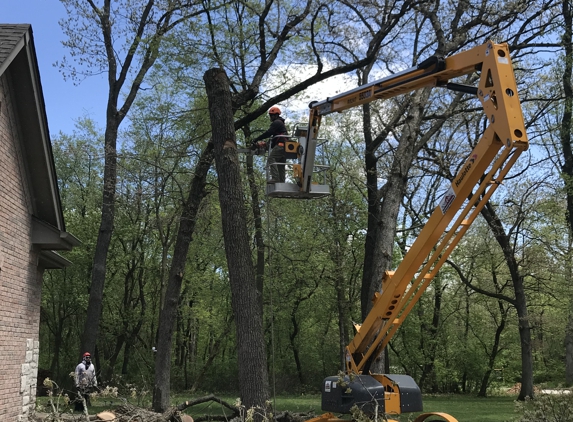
<point>277,131</point>
<point>86,381</point>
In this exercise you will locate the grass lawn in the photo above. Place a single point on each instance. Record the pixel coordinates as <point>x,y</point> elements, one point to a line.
<point>464,408</point>
<point>471,408</point>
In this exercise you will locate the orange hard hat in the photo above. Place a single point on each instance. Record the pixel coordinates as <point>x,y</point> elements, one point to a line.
<point>274,110</point>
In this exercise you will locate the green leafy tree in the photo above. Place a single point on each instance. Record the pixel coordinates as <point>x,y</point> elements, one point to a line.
<point>80,169</point>
<point>122,40</point>
<point>231,34</point>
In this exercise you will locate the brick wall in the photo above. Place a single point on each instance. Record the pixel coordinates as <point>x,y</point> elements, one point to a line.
<point>20,279</point>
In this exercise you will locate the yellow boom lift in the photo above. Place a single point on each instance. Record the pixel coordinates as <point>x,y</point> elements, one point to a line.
<point>503,141</point>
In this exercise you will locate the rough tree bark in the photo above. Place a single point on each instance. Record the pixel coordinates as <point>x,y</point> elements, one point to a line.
<point>253,376</point>
<point>161,389</point>
<point>384,204</point>
<point>393,191</point>
<point>258,220</point>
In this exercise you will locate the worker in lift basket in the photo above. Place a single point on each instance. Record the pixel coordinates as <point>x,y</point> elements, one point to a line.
<point>277,154</point>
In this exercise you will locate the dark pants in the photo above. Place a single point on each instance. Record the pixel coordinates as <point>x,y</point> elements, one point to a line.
<point>277,155</point>
<point>78,402</point>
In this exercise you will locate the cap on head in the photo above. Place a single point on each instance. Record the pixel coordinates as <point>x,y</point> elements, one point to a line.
<point>275,110</point>
<point>87,355</point>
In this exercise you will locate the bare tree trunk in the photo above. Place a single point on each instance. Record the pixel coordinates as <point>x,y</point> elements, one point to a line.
<point>495,349</point>
<point>252,361</point>
<point>429,346</point>
<point>259,240</point>
<point>58,342</point>
<point>161,389</point>
<point>294,347</point>
<point>569,347</point>
<point>525,341</point>
<point>370,271</point>
<point>520,301</point>
<point>567,168</point>
<point>213,352</point>
<point>343,310</point>
<point>95,302</point>
<point>384,223</point>
<point>466,335</point>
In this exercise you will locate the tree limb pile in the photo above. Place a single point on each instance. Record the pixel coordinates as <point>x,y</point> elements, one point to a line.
<point>129,413</point>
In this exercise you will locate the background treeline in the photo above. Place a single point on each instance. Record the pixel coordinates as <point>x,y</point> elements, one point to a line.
<point>463,336</point>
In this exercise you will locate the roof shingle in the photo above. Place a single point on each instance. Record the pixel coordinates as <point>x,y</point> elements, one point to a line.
<point>10,36</point>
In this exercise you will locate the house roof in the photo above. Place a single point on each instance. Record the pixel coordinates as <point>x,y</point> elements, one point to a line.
<point>10,37</point>
<point>18,61</point>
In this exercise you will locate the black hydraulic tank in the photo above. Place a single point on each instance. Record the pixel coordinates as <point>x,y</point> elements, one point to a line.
<point>410,394</point>
<point>339,394</point>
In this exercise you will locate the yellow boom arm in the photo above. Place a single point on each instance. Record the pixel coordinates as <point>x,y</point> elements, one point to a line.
<point>487,165</point>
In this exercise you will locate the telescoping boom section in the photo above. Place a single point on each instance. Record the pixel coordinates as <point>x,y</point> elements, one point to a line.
<point>502,142</point>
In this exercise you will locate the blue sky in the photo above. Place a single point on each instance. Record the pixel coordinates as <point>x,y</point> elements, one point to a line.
<point>65,102</point>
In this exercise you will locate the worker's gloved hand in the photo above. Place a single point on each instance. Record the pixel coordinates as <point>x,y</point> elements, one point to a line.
<point>260,147</point>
